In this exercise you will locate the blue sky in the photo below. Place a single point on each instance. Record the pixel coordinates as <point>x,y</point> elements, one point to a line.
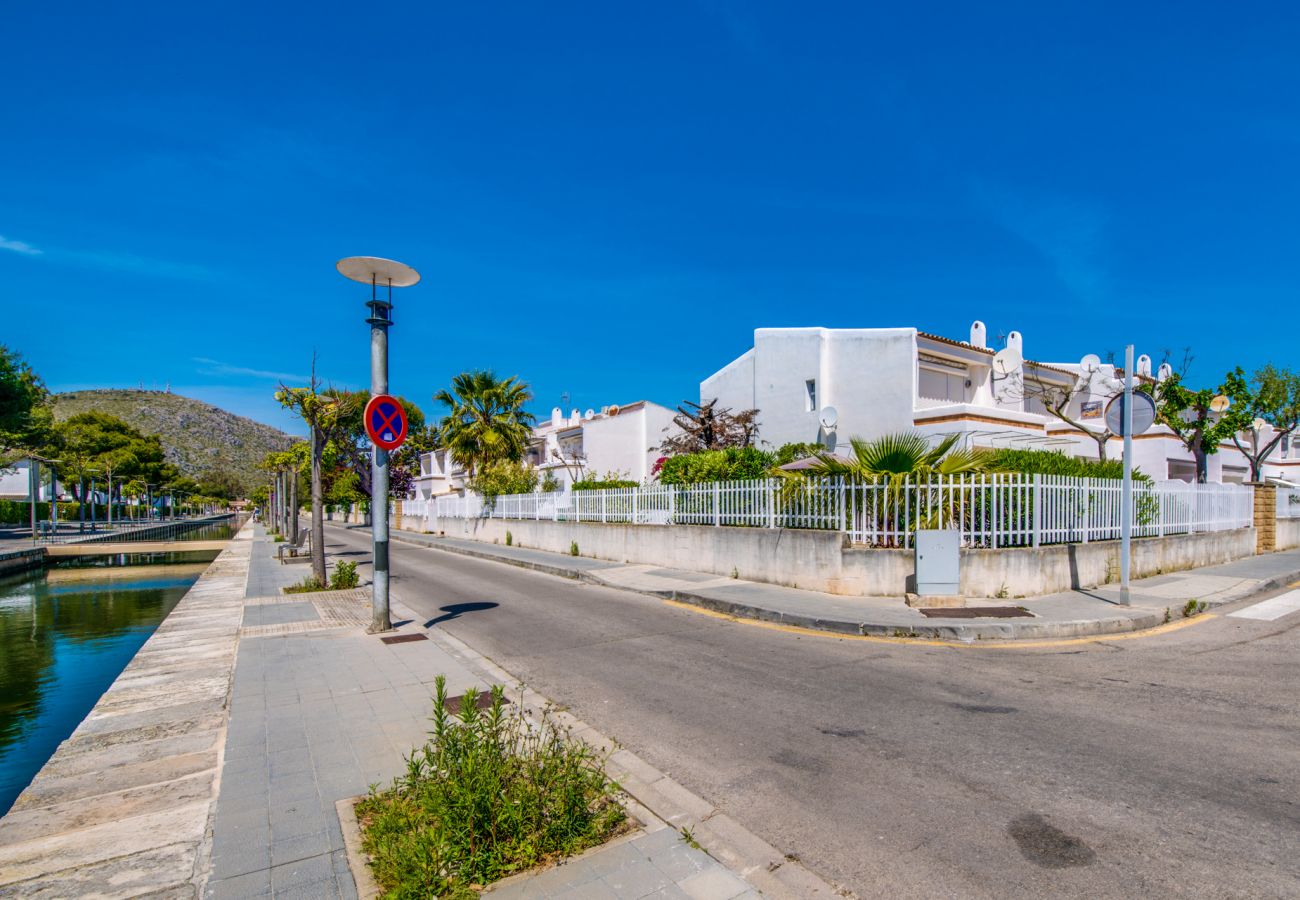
<point>607,199</point>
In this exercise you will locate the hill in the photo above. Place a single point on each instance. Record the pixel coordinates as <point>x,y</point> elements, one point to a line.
<point>199,438</point>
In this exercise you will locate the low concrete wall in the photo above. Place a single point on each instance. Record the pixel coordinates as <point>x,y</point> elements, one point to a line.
<point>824,561</point>
<point>21,560</point>
<point>1288,533</point>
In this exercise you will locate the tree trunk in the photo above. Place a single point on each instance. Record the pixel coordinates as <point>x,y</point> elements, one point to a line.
<point>317,512</point>
<point>1202,464</point>
<point>1102,439</point>
<point>293,505</point>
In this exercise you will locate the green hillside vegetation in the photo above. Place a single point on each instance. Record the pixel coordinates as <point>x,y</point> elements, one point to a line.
<point>202,440</point>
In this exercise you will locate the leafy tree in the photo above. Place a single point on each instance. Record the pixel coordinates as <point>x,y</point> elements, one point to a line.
<point>486,421</point>
<point>503,477</point>
<point>792,452</point>
<point>1187,413</point>
<point>220,484</point>
<point>24,415</point>
<point>706,427</point>
<point>97,445</point>
<point>325,412</point>
<point>1274,396</point>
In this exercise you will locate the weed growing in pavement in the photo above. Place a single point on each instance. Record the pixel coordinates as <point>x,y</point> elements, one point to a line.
<point>344,576</point>
<point>688,837</point>
<point>1168,615</point>
<point>1193,607</point>
<point>735,573</point>
<point>510,538</point>
<point>493,792</point>
<point>1002,593</point>
<point>573,548</point>
<point>306,586</point>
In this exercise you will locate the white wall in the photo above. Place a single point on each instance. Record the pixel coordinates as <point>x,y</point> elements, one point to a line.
<point>622,443</point>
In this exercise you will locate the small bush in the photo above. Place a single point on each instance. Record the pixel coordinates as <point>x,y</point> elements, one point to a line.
<point>732,464</point>
<point>1053,462</point>
<point>608,481</point>
<point>573,548</point>
<point>510,539</point>
<point>306,586</point>
<point>491,793</point>
<point>788,453</point>
<point>1193,608</point>
<point>344,576</point>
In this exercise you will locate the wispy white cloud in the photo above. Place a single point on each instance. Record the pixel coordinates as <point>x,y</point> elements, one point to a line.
<point>22,247</point>
<point>216,367</point>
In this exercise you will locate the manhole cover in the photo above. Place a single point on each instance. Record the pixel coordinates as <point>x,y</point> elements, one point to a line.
<point>978,612</point>
<point>403,638</point>
<point>482,701</point>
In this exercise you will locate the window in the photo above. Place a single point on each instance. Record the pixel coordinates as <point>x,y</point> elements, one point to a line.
<point>810,387</point>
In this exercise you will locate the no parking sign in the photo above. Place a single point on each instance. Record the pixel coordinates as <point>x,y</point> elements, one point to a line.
<point>385,422</point>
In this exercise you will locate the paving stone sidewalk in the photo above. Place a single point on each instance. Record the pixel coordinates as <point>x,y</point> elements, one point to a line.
<point>322,711</point>
<point>1077,613</point>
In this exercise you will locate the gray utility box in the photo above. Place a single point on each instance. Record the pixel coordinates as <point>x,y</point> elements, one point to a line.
<point>938,563</point>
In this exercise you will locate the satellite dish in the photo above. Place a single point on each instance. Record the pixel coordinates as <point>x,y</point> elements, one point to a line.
<point>1007,360</point>
<point>1090,363</point>
<point>829,417</point>
<point>613,410</point>
<point>1258,424</point>
<point>376,270</point>
<point>1220,404</point>
<point>1144,413</point>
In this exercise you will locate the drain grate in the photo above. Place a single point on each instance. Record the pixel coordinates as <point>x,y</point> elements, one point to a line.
<point>978,612</point>
<point>403,638</point>
<point>483,701</point>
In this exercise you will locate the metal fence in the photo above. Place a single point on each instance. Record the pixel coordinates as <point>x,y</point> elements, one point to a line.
<point>1004,510</point>
<point>192,528</point>
<point>1288,503</point>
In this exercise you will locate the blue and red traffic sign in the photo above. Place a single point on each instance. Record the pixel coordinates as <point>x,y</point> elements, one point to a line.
<point>385,422</point>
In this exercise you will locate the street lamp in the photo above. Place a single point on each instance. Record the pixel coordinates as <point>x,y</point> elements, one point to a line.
<point>387,273</point>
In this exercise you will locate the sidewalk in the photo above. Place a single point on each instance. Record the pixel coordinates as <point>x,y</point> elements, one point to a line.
<point>1080,613</point>
<point>320,711</point>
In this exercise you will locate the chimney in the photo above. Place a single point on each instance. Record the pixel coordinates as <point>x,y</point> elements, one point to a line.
<point>557,416</point>
<point>978,334</point>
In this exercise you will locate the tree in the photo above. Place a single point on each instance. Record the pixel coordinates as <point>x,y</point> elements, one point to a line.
<point>1188,414</point>
<point>706,427</point>
<point>353,448</point>
<point>93,444</point>
<point>24,415</point>
<point>894,458</point>
<point>1058,398</point>
<point>324,413</point>
<point>1275,398</point>
<point>486,421</point>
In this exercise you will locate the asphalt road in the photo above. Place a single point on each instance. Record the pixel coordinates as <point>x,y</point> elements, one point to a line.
<point>1161,766</point>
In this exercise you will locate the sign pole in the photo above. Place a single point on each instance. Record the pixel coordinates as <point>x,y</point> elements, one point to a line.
<point>379,322</point>
<point>1126,505</point>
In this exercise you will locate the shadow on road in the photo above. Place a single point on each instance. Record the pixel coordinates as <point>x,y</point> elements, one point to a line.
<point>456,610</point>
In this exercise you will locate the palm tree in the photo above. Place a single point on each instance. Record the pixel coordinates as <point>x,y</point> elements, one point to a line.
<point>486,421</point>
<point>897,461</point>
<point>895,458</point>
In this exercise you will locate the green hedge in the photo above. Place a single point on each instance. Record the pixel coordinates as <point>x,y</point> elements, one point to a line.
<point>732,464</point>
<point>1053,462</point>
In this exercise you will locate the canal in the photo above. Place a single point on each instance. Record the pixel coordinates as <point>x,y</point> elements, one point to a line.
<point>66,632</point>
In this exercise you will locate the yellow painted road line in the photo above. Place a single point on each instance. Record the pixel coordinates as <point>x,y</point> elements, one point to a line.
<point>988,644</point>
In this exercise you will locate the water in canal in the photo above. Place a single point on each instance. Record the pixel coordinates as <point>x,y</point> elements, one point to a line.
<point>65,634</point>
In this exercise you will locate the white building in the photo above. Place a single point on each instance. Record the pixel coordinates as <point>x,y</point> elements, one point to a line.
<point>828,385</point>
<point>617,440</point>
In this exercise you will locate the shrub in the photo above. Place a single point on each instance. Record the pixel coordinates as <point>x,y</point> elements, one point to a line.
<point>490,794</point>
<point>731,464</point>
<point>496,479</point>
<point>573,548</point>
<point>1054,462</point>
<point>306,586</point>
<point>510,538</point>
<point>549,482</point>
<point>344,576</point>
<point>1193,608</point>
<point>608,481</point>
<point>788,453</point>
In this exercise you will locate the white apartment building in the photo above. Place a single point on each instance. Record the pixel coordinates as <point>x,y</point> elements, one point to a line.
<point>827,385</point>
<point>621,440</point>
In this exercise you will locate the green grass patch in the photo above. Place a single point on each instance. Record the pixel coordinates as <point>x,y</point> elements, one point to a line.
<point>493,792</point>
<point>308,585</point>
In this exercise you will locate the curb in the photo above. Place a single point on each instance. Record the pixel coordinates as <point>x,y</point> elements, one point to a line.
<point>659,801</point>
<point>961,633</point>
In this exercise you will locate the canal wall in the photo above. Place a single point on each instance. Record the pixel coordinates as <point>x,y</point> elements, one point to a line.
<point>123,806</point>
<point>12,561</point>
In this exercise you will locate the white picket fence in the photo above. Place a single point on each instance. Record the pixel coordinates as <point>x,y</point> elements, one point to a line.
<point>989,510</point>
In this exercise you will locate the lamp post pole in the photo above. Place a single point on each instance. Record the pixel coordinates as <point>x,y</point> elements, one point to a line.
<point>388,274</point>
<point>1126,507</point>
